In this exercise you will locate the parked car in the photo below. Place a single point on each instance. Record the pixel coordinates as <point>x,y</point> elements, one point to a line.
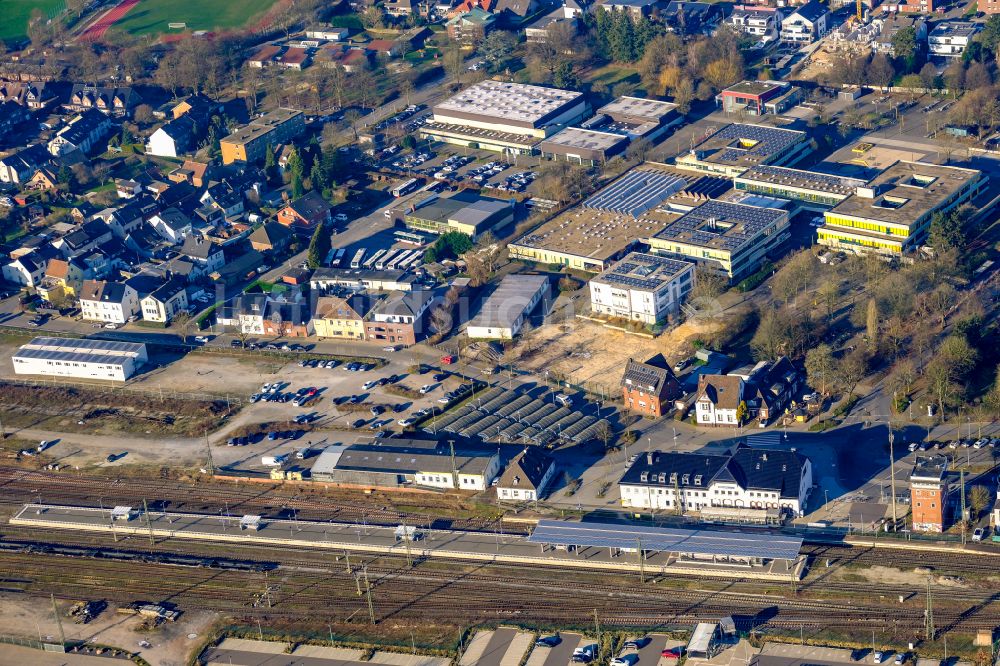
<point>636,643</point>
<point>878,657</point>
<point>978,534</point>
<point>548,641</point>
<point>583,655</point>
<point>201,339</point>
<point>440,377</point>
<point>673,653</point>
<point>426,388</point>
<point>447,360</point>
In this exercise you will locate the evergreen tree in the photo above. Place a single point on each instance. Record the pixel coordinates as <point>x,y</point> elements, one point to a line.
<point>270,166</point>
<point>565,77</point>
<point>319,246</point>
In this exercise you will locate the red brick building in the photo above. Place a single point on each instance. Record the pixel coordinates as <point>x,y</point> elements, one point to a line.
<point>306,212</point>
<point>649,388</point>
<point>929,494</point>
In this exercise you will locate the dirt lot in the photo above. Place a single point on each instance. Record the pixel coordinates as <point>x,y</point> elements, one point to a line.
<point>170,642</point>
<point>588,354</point>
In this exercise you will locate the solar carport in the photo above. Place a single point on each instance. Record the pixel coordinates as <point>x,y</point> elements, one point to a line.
<point>716,546</point>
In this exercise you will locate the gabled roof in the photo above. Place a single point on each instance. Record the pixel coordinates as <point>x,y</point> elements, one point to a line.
<point>406,303</point>
<point>174,219</point>
<point>271,233</point>
<point>198,247</point>
<point>526,470</point>
<point>355,306</point>
<point>767,469</point>
<point>654,376</point>
<point>103,291</point>
<point>724,391</point>
<point>310,206</point>
<point>811,11</point>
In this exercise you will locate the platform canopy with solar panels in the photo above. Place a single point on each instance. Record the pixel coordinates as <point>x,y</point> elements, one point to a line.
<point>712,546</point>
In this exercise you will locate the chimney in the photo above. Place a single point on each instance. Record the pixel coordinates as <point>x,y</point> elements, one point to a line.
<point>650,457</point>
<point>763,457</point>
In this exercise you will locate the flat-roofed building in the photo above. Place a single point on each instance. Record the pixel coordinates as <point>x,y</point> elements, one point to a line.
<point>249,143</point>
<point>740,146</point>
<point>583,146</point>
<point>503,314</point>
<point>470,216</point>
<point>506,117</point>
<point>811,189</point>
<point>758,98</point>
<point>892,213</point>
<point>612,221</point>
<point>79,358</point>
<point>636,117</point>
<point>642,287</point>
<point>731,238</point>
<point>929,493</point>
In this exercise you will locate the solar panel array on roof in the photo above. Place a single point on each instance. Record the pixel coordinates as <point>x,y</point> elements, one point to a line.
<point>803,179</point>
<point>769,546</point>
<point>636,192</point>
<point>752,143</point>
<point>647,272</point>
<point>721,224</point>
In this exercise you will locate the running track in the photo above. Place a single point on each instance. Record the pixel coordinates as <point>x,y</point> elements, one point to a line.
<point>96,30</point>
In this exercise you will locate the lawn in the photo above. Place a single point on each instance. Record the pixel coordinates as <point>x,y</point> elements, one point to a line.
<point>152,16</point>
<point>14,24</point>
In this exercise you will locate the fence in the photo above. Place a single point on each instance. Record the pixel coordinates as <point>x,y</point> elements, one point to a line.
<point>112,389</point>
<point>32,643</point>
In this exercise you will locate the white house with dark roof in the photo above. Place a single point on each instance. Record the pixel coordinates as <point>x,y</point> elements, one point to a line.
<point>26,270</point>
<point>806,24</point>
<point>112,302</point>
<point>718,400</point>
<point>527,476</point>
<point>172,225</point>
<point>203,253</point>
<point>747,478</point>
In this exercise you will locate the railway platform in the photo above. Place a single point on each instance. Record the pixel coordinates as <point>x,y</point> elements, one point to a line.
<point>119,522</point>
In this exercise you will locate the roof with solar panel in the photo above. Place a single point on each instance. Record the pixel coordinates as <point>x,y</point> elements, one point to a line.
<point>741,144</point>
<point>806,180</point>
<point>721,225</point>
<point>644,272</point>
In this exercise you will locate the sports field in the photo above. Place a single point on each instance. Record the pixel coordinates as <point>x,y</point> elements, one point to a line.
<point>152,16</point>
<point>14,15</point>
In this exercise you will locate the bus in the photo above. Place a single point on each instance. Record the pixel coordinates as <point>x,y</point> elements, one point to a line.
<point>386,258</point>
<point>410,238</point>
<point>404,188</point>
<point>400,258</point>
<point>370,261</point>
<point>358,257</point>
<point>413,261</point>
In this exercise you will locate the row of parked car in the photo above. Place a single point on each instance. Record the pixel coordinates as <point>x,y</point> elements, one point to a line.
<point>981,443</point>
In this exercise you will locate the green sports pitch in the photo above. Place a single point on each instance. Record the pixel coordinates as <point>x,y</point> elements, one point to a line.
<point>155,16</point>
<point>14,15</point>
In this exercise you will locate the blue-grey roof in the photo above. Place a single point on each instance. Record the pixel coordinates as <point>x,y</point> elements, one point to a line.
<point>768,546</point>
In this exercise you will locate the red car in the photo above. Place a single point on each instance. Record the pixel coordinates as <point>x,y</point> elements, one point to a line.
<point>673,653</point>
<point>447,360</point>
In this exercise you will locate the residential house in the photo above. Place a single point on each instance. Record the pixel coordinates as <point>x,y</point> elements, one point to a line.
<point>31,94</point>
<point>889,24</point>
<point>762,23</point>
<point>718,400</point>
<point>249,143</point>
<point>224,197</point>
<point>306,212</point>
<point>62,279</point>
<point>271,237</point>
<point>21,165</point>
<point>163,303</point>
<point>82,133</point>
<point>399,319</point>
<point>387,48</point>
<point>112,101</point>
<point>112,302</point>
<point>771,388</point>
<point>203,253</point>
<point>127,188</point>
<point>174,138</point>
<point>514,12</point>
<point>342,317</point>
<point>26,270</point>
<point>43,180</point>
<point>245,314</point>
<point>949,39</point>
<point>637,8</point>
<point>12,117</point>
<point>767,481</point>
<point>689,18</point>
<point>471,26</point>
<point>540,30</point>
<point>194,173</point>
<point>527,476</point>
<point>83,239</point>
<point>171,224</point>
<point>806,24</point>
<point>287,316</point>
<point>649,388</point>
<point>199,105</point>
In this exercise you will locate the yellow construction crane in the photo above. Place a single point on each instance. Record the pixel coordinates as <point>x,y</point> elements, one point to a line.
<point>859,11</point>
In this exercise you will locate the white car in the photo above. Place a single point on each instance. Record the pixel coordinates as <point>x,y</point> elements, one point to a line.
<point>406,422</point>
<point>426,388</point>
<point>369,385</point>
<point>390,348</point>
<point>111,327</point>
<point>201,339</point>
<point>878,657</point>
<point>340,217</point>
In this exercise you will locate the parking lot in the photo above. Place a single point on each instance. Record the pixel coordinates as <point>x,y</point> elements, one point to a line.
<point>557,655</point>
<point>312,405</point>
<point>503,647</point>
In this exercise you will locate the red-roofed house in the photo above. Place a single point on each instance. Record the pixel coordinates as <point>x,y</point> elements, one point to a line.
<point>386,47</point>
<point>295,58</point>
<point>307,211</point>
<point>264,56</point>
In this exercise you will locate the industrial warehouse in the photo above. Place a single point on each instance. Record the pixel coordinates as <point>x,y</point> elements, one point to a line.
<point>648,550</point>
<point>79,358</point>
